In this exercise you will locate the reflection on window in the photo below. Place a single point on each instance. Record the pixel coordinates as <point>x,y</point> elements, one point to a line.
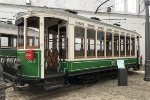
<point>79,41</point>
<point>132,6</point>
<point>8,41</point>
<point>21,36</point>
<point>132,46</point>
<point>116,45</point>
<point>119,5</point>
<point>128,46</point>
<point>100,43</point>
<point>62,42</point>
<point>4,41</point>
<point>122,45</point>
<point>108,44</point>
<point>33,32</point>
<point>90,42</point>
<point>53,39</point>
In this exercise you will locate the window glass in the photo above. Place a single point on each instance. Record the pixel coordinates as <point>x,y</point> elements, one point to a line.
<point>62,42</point>
<point>90,42</point>
<point>108,44</point>
<point>128,46</point>
<point>79,41</point>
<point>8,41</point>
<point>119,5</point>
<point>131,6</point>
<point>33,32</point>
<point>4,41</point>
<point>132,46</point>
<point>116,44</point>
<point>21,36</point>
<point>122,45</point>
<point>100,43</point>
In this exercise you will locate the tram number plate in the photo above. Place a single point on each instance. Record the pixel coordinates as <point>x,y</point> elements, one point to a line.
<point>120,64</point>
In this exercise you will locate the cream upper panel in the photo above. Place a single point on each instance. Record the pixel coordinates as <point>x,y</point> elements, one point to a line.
<point>82,23</point>
<point>73,19</point>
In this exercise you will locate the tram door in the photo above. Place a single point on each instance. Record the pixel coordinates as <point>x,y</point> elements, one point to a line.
<point>56,50</point>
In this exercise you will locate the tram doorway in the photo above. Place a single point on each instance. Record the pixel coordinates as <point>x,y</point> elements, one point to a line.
<point>55,45</point>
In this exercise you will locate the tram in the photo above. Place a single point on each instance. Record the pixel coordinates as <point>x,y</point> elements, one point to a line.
<point>53,45</point>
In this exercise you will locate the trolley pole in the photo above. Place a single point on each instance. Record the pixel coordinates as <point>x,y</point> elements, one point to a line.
<point>147,41</point>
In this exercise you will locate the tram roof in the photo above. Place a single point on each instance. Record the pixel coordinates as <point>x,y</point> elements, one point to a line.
<point>65,13</point>
<point>8,29</point>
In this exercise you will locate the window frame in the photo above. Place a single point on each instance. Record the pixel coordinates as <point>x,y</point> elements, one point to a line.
<point>121,54</point>
<point>128,45</point>
<point>19,37</point>
<point>10,39</point>
<point>76,57</point>
<point>117,42</point>
<point>103,44</point>
<point>121,4</point>
<point>132,46</point>
<point>32,47</point>
<point>133,5</point>
<point>109,45</point>
<point>94,51</point>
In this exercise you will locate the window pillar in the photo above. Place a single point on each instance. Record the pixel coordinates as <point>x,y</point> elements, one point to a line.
<point>96,43</point>
<point>130,46</point>
<point>119,45</point>
<point>70,29</point>
<point>112,44</point>
<point>105,44</point>
<point>25,31</point>
<point>0,40</point>
<point>42,45</point>
<point>125,45</point>
<point>85,43</point>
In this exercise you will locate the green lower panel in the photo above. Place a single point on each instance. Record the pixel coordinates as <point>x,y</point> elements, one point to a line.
<point>30,68</point>
<point>8,52</point>
<point>72,66</point>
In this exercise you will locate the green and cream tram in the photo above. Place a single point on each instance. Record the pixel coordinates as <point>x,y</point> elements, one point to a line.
<point>55,44</point>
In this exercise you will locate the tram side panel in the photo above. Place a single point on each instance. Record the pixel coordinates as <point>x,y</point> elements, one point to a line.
<point>30,68</point>
<point>87,65</point>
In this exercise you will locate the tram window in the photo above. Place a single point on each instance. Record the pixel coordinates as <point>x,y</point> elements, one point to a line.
<point>108,44</point>
<point>100,43</point>
<point>31,41</point>
<point>90,42</point>
<point>33,32</point>
<point>13,42</point>
<point>132,46</point>
<point>116,45</point>
<point>21,36</point>
<point>8,41</point>
<point>128,46</point>
<point>36,41</point>
<point>62,42</point>
<point>79,42</point>
<point>4,41</point>
<point>122,45</point>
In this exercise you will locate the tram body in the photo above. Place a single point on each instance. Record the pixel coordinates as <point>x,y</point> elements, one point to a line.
<point>55,44</point>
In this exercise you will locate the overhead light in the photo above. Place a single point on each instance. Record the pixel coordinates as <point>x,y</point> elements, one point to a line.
<point>28,2</point>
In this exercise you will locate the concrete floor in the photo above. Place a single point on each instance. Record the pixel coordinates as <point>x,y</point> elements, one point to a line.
<point>107,89</point>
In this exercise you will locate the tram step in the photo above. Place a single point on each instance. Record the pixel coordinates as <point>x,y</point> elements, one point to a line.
<point>54,75</point>
<point>54,81</point>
